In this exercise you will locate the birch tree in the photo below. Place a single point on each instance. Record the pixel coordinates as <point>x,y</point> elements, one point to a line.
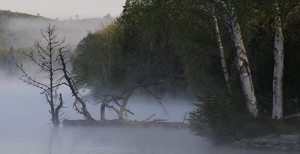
<point>277,112</point>
<point>221,49</point>
<point>228,15</point>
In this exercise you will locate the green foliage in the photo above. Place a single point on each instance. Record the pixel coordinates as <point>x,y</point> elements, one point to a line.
<point>98,60</point>
<point>9,37</point>
<point>223,117</point>
<point>149,33</point>
<point>10,57</point>
<point>260,34</point>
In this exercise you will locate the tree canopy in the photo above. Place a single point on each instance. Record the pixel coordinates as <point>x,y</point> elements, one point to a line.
<point>172,45</point>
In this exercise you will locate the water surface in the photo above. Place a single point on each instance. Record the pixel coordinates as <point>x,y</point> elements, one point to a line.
<point>24,117</point>
<point>109,140</point>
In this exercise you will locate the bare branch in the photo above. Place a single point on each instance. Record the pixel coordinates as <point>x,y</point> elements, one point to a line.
<point>148,118</point>
<point>125,108</point>
<point>112,107</point>
<point>157,98</point>
<point>76,108</point>
<point>73,89</point>
<point>60,104</point>
<point>291,13</point>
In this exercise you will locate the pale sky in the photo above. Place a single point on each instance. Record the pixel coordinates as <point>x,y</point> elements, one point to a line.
<point>64,9</point>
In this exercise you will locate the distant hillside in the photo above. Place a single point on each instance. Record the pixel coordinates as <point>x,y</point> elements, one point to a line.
<point>20,29</point>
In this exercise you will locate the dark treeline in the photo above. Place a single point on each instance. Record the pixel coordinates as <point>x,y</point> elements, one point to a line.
<point>164,46</point>
<point>174,44</point>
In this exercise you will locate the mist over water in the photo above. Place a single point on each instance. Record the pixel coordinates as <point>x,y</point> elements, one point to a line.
<point>26,31</point>
<point>24,117</point>
<point>23,104</point>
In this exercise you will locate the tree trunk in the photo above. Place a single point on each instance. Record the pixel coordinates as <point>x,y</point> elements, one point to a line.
<point>278,67</point>
<point>125,100</point>
<point>86,113</point>
<point>102,111</point>
<point>298,82</point>
<point>72,87</point>
<point>221,49</point>
<point>243,67</point>
<point>57,110</point>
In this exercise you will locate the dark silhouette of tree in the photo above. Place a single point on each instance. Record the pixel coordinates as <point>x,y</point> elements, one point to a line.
<point>51,65</point>
<point>45,60</point>
<point>71,84</point>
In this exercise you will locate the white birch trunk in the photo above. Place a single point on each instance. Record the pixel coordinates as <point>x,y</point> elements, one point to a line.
<point>221,49</point>
<point>278,67</point>
<point>241,59</point>
<point>243,67</point>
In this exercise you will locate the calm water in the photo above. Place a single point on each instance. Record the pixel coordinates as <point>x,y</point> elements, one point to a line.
<point>24,113</point>
<point>67,140</point>
<point>98,140</point>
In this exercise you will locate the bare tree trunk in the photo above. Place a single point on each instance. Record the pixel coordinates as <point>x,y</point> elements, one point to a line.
<point>221,49</point>
<point>56,111</point>
<point>243,67</point>
<point>278,67</point>
<point>71,85</point>
<point>54,118</point>
<point>125,100</point>
<point>102,111</point>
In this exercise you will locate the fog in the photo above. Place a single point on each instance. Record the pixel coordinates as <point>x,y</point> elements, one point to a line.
<point>25,127</point>
<point>72,30</point>
<point>23,102</point>
<point>25,119</point>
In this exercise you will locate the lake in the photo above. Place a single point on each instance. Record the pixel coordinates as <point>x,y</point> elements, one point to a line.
<point>109,140</point>
<point>24,117</point>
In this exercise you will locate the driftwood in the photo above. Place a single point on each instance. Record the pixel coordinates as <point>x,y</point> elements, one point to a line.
<point>159,120</point>
<point>120,123</point>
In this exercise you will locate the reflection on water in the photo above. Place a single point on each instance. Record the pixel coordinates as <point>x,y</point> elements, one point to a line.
<point>109,140</point>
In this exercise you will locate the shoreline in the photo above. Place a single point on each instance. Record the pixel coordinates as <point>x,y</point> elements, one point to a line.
<point>278,142</point>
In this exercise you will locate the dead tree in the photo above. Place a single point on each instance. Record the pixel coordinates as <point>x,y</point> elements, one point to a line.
<point>108,99</point>
<point>71,84</point>
<point>45,60</point>
<point>106,103</point>
<point>144,81</point>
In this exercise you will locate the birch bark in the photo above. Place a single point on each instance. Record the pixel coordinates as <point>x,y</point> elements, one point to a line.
<point>242,63</point>
<point>221,49</point>
<point>277,112</point>
<point>278,66</point>
<point>243,67</point>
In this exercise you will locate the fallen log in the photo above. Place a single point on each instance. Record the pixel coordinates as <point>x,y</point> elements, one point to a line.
<point>119,123</point>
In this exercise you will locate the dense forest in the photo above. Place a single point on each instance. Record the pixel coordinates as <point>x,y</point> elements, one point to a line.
<point>229,55</point>
<point>239,58</point>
